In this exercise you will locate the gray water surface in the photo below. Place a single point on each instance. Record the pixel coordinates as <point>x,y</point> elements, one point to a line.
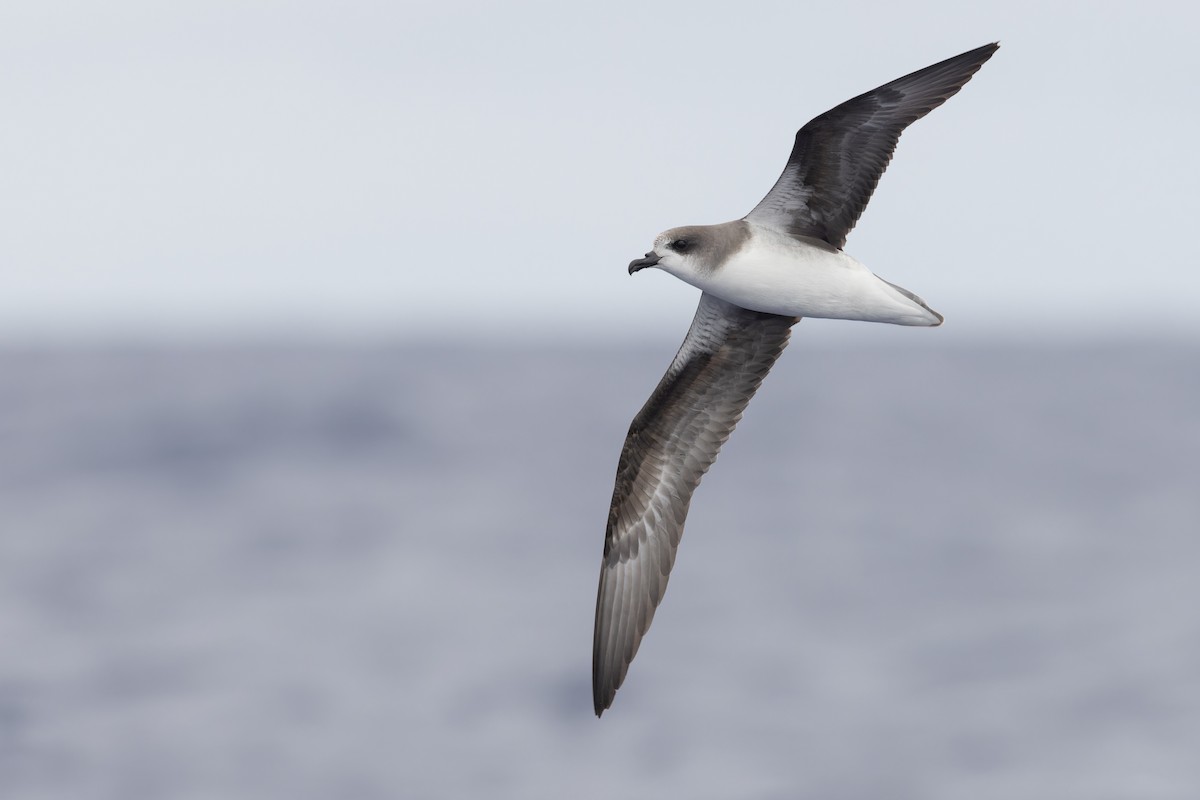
<point>302,572</point>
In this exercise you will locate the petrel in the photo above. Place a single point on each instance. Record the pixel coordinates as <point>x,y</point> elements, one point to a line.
<point>758,276</point>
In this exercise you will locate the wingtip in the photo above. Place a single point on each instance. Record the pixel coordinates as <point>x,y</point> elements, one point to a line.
<point>602,697</point>
<point>981,54</point>
<point>978,55</point>
<point>990,49</point>
<point>599,705</point>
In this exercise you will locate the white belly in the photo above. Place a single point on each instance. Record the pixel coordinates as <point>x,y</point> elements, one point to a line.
<point>777,274</point>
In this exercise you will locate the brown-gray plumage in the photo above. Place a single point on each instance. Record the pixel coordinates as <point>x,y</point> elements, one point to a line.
<point>672,442</point>
<point>839,157</point>
<point>834,167</point>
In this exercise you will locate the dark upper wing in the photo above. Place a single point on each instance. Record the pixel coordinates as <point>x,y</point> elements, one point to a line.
<point>672,442</point>
<point>839,157</point>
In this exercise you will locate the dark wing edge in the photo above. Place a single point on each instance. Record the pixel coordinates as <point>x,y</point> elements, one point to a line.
<point>839,157</point>
<point>671,443</point>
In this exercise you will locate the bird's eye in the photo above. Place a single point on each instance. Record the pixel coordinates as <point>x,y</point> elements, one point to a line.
<point>680,245</point>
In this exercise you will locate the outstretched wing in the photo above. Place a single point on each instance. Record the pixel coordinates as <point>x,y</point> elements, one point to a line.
<point>672,442</point>
<point>839,157</point>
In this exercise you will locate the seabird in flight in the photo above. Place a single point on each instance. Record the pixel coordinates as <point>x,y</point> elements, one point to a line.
<point>759,275</point>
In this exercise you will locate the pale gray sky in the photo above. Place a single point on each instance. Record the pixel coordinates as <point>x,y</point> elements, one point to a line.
<point>229,169</point>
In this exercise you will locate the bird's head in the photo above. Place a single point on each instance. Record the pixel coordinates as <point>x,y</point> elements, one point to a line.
<point>679,251</point>
<point>694,252</point>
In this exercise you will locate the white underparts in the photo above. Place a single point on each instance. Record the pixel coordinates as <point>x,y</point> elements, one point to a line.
<point>778,274</point>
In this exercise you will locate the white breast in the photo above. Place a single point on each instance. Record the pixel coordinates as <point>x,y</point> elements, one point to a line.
<point>779,274</point>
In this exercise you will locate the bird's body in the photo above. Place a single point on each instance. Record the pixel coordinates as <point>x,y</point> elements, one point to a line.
<point>797,276</point>
<point>758,276</point>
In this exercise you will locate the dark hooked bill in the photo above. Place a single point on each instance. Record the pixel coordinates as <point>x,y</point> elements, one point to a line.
<point>648,260</point>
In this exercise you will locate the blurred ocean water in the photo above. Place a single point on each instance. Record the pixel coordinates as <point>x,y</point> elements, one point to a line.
<point>303,572</point>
